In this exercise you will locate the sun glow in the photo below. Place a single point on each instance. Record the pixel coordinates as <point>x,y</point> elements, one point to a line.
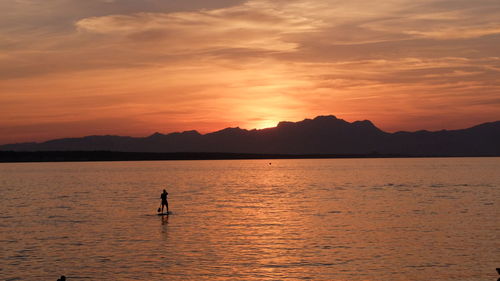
<point>264,124</point>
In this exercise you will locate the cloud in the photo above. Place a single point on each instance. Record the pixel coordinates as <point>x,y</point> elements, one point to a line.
<point>305,30</point>
<point>443,20</point>
<point>458,33</point>
<point>31,13</point>
<point>249,26</point>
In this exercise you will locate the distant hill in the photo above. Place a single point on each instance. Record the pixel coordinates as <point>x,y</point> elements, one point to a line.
<point>321,135</point>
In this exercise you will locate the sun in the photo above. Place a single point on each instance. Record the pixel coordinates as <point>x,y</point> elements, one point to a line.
<point>264,124</point>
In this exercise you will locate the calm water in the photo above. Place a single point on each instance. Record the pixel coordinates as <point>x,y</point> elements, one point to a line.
<point>344,219</point>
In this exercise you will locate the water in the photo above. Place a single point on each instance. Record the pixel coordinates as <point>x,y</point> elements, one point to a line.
<point>338,219</point>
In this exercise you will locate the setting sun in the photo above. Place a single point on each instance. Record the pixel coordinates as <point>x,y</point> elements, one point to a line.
<point>266,124</point>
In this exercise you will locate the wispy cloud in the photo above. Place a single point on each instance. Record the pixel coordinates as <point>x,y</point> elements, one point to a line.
<point>248,26</point>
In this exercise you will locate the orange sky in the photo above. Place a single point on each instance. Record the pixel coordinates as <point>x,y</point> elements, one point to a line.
<point>71,68</point>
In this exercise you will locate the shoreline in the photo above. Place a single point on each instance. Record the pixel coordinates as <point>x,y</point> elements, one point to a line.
<point>114,156</point>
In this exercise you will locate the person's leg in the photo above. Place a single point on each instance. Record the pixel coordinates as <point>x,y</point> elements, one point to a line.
<point>167,206</point>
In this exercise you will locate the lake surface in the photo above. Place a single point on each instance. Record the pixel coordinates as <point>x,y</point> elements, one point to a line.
<point>328,219</point>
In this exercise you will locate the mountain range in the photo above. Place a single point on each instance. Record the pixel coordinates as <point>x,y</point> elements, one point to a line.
<point>321,135</point>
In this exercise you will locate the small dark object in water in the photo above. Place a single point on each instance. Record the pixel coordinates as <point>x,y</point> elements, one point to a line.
<point>63,278</point>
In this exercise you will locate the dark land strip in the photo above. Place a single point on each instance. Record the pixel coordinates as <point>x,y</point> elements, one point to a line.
<point>90,156</point>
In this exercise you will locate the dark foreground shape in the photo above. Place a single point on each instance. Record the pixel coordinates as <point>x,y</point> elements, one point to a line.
<point>498,270</point>
<point>63,278</point>
<point>82,156</point>
<point>321,135</point>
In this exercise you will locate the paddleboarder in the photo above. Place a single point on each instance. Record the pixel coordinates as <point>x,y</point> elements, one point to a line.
<point>164,201</point>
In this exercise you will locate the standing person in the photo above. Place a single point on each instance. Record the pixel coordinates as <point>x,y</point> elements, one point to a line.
<point>164,201</point>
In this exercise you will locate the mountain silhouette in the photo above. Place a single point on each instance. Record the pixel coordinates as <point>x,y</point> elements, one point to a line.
<point>321,135</point>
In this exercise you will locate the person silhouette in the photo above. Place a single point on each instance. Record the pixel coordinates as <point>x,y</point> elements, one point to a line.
<point>164,201</point>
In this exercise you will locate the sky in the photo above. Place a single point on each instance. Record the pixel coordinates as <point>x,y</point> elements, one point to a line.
<point>70,68</point>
